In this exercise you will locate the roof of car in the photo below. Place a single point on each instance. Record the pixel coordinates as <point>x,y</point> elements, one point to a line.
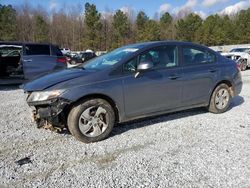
<point>156,43</point>
<point>22,43</point>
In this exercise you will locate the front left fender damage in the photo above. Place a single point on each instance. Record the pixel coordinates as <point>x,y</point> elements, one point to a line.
<point>50,114</point>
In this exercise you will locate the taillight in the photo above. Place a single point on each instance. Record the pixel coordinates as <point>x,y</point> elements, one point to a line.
<point>61,60</point>
<point>238,66</point>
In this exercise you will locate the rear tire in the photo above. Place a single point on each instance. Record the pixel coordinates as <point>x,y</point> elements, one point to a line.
<point>220,100</point>
<point>91,120</point>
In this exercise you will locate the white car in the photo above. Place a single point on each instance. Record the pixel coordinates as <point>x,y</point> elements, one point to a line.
<point>241,56</point>
<point>65,50</point>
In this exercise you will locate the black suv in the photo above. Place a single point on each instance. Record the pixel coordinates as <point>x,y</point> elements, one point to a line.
<point>82,57</point>
<point>21,61</point>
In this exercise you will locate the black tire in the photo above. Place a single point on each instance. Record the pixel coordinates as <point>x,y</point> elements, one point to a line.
<point>75,115</point>
<point>213,106</point>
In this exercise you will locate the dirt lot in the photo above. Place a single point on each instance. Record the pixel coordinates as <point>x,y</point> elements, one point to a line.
<point>187,149</point>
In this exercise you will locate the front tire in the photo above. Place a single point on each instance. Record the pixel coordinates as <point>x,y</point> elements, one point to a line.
<point>91,120</point>
<point>220,100</point>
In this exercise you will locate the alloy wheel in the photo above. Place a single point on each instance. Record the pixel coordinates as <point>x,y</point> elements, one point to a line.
<point>222,99</point>
<point>93,121</point>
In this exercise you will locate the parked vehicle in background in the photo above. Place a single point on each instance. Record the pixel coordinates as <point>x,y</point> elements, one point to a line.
<point>132,82</point>
<point>99,53</point>
<point>65,50</point>
<point>20,61</point>
<point>68,57</point>
<point>82,57</point>
<point>241,56</point>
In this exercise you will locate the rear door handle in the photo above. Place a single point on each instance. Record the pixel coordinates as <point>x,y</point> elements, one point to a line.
<point>212,70</point>
<point>173,77</point>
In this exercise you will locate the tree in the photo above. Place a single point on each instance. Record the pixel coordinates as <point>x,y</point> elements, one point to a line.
<point>25,26</point>
<point>141,21</point>
<point>41,29</point>
<point>187,27</point>
<point>216,30</point>
<point>93,26</point>
<point>206,34</point>
<point>8,23</point>
<point>107,30</point>
<point>69,28</point>
<point>166,26</point>
<point>121,28</point>
<point>147,30</point>
<point>242,26</point>
<point>152,31</point>
<point>227,30</point>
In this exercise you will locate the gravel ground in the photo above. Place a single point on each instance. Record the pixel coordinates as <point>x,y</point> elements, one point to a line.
<point>187,149</point>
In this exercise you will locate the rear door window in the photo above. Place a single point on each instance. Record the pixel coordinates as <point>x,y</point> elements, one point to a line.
<point>193,55</point>
<point>34,49</point>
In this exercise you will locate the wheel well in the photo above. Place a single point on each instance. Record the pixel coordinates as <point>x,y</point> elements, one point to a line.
<point>100,96</point>
<point>228,83</point>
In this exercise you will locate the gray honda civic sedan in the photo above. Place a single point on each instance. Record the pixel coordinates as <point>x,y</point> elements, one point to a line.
<point>131,82</point>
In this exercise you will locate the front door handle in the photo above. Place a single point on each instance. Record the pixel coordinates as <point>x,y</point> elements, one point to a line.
<point>27,60</point>
<point>173,77</point>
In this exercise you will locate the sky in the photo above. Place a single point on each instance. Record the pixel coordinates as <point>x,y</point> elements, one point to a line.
<point>151,7</point>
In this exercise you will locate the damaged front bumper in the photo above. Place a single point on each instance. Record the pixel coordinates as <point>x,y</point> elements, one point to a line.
<point>50,114</point>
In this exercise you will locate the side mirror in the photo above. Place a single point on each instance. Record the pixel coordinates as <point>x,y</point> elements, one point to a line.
<point>144,66</point>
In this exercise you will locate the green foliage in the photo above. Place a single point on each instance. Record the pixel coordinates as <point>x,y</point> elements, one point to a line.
<point>41,29</point>
<point>166,19</point>
<point>121,28</point>
<point>242,26</point>
<point>107,32</point>
<point>187,27</point>
<point>147,30</point>
<point>8,23</point>
<point>93,26</point>
<point>216,30</point>
<point>141,21</point>
<point>152,31</point>
<point>166,26</point>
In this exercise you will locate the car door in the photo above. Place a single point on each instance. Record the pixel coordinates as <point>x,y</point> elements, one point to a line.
<point>156,89</point>
<point>37,60</point>
<point>199,75</point>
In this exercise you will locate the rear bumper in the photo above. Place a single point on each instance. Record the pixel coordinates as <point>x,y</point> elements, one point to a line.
<point>238,88</point>
<point>238,84</point>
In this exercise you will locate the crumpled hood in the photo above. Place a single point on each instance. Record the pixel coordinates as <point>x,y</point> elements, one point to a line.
<point>55,78</point>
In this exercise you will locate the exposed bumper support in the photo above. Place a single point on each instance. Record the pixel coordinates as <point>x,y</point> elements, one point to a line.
<point>49,114</point>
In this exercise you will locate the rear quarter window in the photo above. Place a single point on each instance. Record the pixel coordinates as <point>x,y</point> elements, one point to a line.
<point>34,49</point>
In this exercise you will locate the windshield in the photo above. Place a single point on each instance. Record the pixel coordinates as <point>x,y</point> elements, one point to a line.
<point>240,50</point>
<point>110,59</point>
